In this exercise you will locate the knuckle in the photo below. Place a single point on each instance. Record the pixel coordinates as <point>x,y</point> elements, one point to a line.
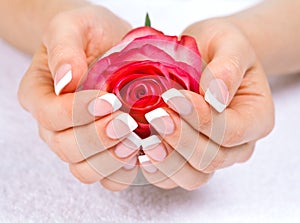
<point>43,134</point>
<point>57,49</point>
<point>65,111</point>
<point>44,120</point>
<point>234,65</point>
<point>60,119</point>
<point>205,121</point>
<point>232,68</point>
<point>55,143</point>
<point>232,138</point>
<point>198,182</point>
<point>247,153</point>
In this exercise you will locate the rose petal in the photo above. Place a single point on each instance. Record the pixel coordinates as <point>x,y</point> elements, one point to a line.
<point>141,32</point>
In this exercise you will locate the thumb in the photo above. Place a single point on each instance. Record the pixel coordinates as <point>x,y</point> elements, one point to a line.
<point>228,56</point>
<point>67,62</point>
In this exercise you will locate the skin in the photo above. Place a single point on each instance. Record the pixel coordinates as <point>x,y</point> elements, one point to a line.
<point>238,49</point>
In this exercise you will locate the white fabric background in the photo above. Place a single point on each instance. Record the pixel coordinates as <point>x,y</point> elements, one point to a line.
<point>35,186</point>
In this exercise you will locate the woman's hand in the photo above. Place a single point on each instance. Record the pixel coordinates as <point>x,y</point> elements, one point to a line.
<point>72,41</point>
<point>198,138</point>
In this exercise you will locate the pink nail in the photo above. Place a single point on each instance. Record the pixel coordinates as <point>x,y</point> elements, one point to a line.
<point>146,164</point>
<point>153,147</point>
<point>177,101</point>
<point>62,78</point>
<point>104,105</point>
<point>128,146</point>
<point>130,164</point>
<point>161,121</point>
<point>217,94</point>
<point>121,126</point>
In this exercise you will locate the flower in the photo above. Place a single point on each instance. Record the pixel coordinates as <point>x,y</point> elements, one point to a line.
<point>144,65</point>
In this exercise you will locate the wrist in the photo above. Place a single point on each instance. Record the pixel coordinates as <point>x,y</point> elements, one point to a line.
<point>271,28</point>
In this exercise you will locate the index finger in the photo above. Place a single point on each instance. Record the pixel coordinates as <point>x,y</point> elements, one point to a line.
<point>36,94</point>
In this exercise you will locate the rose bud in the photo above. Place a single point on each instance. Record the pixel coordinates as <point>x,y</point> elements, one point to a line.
<point>144,65</point>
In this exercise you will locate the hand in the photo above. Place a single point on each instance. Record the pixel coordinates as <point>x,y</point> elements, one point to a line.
<point>66,122</point>
<point>202,137</point>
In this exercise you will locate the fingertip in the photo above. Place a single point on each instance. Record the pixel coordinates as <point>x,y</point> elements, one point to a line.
<point>62,78</point>
<point>67,62</point>
<point>217,95</point>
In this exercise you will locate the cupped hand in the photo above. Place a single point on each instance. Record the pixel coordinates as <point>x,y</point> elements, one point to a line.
<point>77,126</point>
<point>217,128</point>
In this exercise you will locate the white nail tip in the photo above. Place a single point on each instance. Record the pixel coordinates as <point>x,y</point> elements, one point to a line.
<point>146,164</point>
<point>210,98</point>
<point>113,100</point>
<point>63,82</point>
<point>171,93</point>
<point>144,159</point>
<point>150,141</point>
<point>157,113</point>
<point>135,139</point>
<point>128,120</point>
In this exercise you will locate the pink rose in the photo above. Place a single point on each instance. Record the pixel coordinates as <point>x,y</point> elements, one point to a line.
<point>144,65</point>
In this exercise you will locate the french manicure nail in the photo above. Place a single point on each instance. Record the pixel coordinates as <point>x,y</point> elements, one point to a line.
<point>128,146</point>
<point>104,105</point>
<point>121,126</point>
<point>161,121</point>
<point>153,147</point>
<point>217,94</point>
<point>62,78</point>
<point>130,164</point>
<point>145,162</point>
<point>177,101</point>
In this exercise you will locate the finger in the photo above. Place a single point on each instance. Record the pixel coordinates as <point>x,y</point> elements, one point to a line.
<point>84,173</point>
<point>228,56</point>
<point>59,113</point>
<point>120,180</point>
<point>180,171</point>
<point>100,166</point>
<point>224,73</point>
<point>74,39</point>
<point>174,168</point>
<point>77,144</point>
<point>157,178</point>
<point>153,148</point>
<point>65,44</point>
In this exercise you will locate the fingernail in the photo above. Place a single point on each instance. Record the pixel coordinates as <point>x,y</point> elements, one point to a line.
<point>62,78</point>
<point>130,164</point>
<point>145,162</point>
<point>153,147</point>
<point>161,121</point>
<point>177,101</point>
<point>104,105</point>
<point>128,146</point>
<point>217,94</point>
<point>121,126</point>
